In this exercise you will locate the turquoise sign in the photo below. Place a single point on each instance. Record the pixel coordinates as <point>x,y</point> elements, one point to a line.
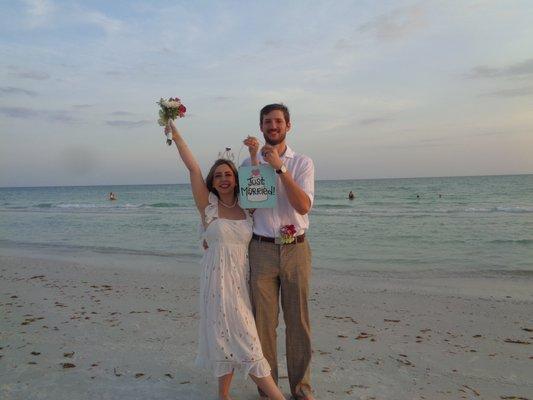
<point>257,187</point>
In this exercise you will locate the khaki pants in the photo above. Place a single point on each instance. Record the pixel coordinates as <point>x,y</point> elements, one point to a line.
<point>286,267</point>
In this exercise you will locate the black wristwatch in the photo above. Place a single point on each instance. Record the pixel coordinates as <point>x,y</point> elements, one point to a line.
<point>281,169</point>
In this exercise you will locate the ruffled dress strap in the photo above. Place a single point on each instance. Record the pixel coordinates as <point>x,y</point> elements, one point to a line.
<point>211,210</point>
<point>211,213</point>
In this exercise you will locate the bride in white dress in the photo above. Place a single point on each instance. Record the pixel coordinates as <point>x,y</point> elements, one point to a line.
<point>228,337</point>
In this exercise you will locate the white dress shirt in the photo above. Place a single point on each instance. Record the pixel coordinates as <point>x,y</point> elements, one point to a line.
<point>268,221</point>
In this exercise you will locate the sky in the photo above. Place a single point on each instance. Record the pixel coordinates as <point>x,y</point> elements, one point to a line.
<point>376,89</point>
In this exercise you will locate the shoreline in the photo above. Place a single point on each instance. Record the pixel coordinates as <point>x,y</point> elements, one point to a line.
<point>131,333</point>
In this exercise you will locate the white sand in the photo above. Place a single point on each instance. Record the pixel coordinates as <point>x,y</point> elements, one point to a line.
<point>131,334</point>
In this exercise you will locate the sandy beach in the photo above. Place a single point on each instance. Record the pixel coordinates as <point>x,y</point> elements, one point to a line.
<point>79,331</point>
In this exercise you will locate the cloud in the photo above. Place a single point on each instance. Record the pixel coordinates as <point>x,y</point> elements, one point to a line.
<point>520,69</point>
<point>82,105</point>
<point>222,99</point>
<point>121,113</point>
<point>128,124</point>
<point>39,12</point>
<point>46,14</point>
<point>25,113</point>
<point>397,24</point>
<point>10,90</point>
<point>33,75</point>
<point>108,24</point>
<point>372,121</point>
<point>515,92</point>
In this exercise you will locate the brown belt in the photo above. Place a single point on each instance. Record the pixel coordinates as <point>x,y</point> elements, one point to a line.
<point>298,239</point>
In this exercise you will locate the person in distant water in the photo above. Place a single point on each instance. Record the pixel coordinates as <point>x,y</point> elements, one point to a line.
<point>279,267</point>
<point>417,196</point>
<point>112,196</point>
<point>228,337</point>
<point>351,196</point>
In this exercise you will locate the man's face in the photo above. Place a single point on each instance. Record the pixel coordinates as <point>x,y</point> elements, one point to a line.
<point>274,127</point>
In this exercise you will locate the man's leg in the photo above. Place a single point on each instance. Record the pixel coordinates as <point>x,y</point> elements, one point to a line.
<point>264,294</point>
<point>295,274</point>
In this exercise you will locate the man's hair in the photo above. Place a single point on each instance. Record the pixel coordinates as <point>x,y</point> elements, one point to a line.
<point>271,107</point>
<point>211,175</point>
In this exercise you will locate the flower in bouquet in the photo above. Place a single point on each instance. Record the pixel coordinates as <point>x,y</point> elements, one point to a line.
<point>170,110</point>
<point>288,234</point>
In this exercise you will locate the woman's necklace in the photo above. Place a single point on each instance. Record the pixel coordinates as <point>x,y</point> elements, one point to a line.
<point>227,206</point>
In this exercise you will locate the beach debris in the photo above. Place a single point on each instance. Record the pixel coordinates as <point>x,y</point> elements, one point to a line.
<point>28,321</point>
<point>363,335</point>
<point>170,376</point>
<point>477,336</point>
<point>139,375</point>
<point>473,390</point>
<point>68,355</point>
<point>184,382</point>
<point>326,369</point>
<point>115,372</point>
<point>527,329</point>
<point>35,353</point>
<point>342,336</point>
<point>67,365</point>
<point>38,277</point>
<point>403,361</point>
<point>345,319</point>
<point>139,312</point>
<point>517,341</point>
<point>513,398</point>
<point>391,320</point>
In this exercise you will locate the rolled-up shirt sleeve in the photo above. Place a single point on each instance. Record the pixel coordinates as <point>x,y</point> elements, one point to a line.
<point>305,177</point>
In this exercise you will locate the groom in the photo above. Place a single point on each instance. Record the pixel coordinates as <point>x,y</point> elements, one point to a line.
<point>284,268</point>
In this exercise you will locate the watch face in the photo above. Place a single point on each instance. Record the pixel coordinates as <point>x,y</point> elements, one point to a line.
<point>283,168</point>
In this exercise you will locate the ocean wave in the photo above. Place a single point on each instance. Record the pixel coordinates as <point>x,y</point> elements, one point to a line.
<point>163,205</point>
<point>343,210</point>
<point>90,205</point>
<point>332,206</point>
<point>94,206</point>
<point>498,209</point>
<point>513,241</point>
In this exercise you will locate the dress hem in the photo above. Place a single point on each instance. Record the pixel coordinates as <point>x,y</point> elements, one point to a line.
<point>259,368</point>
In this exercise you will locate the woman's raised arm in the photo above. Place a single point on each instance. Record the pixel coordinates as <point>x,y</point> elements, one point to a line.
<point>199,188</point>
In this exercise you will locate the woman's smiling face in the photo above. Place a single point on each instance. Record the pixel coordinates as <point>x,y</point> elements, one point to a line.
<point>224,179</point>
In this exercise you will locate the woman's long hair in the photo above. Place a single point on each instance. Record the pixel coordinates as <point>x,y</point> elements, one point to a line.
<point>211,174</point>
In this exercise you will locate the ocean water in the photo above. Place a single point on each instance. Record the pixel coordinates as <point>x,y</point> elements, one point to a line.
<point>457,224</point>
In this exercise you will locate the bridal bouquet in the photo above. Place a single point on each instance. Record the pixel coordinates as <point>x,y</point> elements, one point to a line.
<point>170,110</point>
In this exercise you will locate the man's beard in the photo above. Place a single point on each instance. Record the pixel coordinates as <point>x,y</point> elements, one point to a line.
<point>275,142</point>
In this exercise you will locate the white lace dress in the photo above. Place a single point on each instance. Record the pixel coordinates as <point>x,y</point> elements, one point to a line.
<point>228,337</point>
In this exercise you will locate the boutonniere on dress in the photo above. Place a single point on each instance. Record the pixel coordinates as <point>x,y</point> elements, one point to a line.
<point>288,234</point>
